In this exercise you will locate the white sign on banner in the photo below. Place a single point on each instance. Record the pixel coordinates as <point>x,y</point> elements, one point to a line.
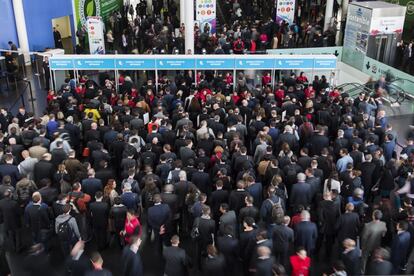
<point>285,10</point>
<point>206,14</point>
<point>387,25</point>
<point>96,35</point>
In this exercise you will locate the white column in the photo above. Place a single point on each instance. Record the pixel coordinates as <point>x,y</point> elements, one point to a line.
<point>21,29</point>
<point>189,26</point>
<point>150,7</point>
<point>328,13</point>
<point>182,11</point>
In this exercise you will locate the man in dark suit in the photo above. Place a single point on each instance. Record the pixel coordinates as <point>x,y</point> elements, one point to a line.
<point>400,247</point>
<point>206,227</point>
<point>264,262</point>
<point>228,245</point>
<point>351,257</point>
<point>99,212</point>
<point>237,197</point>
<point>202,179</point>
<point>301,193</point>
<point>91,184</point>
<point>282,237</point>
<point>78,262</point>
<point>43,169</point>
<point>328,215</point>
<point>348,224</point>
<point>379,264</point>
<point>176,259</point>
<point>159,217</point>
<point>318,141</point>
<point>367,169</point>
<point>228,218</point>
<point>104,172</point>
<point>218,197</point>
<point>58,154</point>
<point>9,169</point>
<point>37,218</point>
<point>10,217</point>
<point>186,152</point>
<point>131,259</point>
<point>74,132</point>
<point>306,233</point>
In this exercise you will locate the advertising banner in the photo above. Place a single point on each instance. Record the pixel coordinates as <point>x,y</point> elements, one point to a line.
<point>102,8</point>
<point>356,37</point>
<point>96,36</point>
<point>285,10</point>
<point>206,15</point>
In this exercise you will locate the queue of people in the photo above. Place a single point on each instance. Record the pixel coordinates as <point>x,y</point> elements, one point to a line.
<point>298,180</point>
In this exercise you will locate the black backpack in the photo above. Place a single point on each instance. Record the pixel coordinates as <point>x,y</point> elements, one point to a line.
<point>64,231</point>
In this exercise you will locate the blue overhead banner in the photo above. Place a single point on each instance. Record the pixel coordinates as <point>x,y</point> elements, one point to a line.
<point>245,63</point>
<point>175,64</point>
<point>294,63</point>
<point>94,64</point>
<point>212,62</point>
<point>135,64</point>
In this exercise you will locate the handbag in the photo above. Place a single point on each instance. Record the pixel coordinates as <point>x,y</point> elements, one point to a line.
<point>195,232</point>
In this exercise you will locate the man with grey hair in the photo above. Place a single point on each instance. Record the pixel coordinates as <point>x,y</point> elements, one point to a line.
<point>288,137</point>
<point>306,233</point>
<point>301,193</point>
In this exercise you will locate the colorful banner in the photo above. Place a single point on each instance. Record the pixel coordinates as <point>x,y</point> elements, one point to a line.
<point>102,8</point>
<point>206,15</point>
<point>95,35</point>
<point>285,10</point>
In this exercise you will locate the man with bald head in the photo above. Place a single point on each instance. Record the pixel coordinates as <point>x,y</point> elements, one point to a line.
<point>26,167</point>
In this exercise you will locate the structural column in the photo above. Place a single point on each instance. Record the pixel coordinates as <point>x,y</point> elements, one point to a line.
<point>189,26</point>
<point>182,11</point>
<point>328,13</point>
<point>21,28</point>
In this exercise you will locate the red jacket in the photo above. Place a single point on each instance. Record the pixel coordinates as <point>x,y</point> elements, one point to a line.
<point>131,228</point>
<point>300,267</point>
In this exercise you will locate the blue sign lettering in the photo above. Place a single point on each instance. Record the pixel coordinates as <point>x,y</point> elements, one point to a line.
<point>175,64</point>
<point>254,63</point>
<point>325,64</point>
<point>294,63</point>
<point>135,64</point>
<point>215,64</point>
<point>62,64</point>
<point>95,64</point>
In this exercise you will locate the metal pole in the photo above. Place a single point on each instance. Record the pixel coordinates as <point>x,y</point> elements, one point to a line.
<point>234,80</point>
<point>31,96</point>
<point>273,79</point>
<point>156,81</point>
<point>54,80</point>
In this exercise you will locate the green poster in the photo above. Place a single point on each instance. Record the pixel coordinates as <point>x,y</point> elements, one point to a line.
<point>102,8</point>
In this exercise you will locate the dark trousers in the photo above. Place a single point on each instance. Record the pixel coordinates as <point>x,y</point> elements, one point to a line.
<point>100,237</point>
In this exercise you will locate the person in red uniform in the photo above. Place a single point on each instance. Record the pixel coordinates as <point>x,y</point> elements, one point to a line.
<point>132,227</point>
<point>266,79</point>
<point>300,263</point>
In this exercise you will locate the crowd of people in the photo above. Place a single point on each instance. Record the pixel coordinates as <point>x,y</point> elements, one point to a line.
<point>300,180</point>
<point>244,26</point>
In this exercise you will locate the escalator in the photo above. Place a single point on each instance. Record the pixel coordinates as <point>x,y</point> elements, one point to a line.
<point>393,94</point>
